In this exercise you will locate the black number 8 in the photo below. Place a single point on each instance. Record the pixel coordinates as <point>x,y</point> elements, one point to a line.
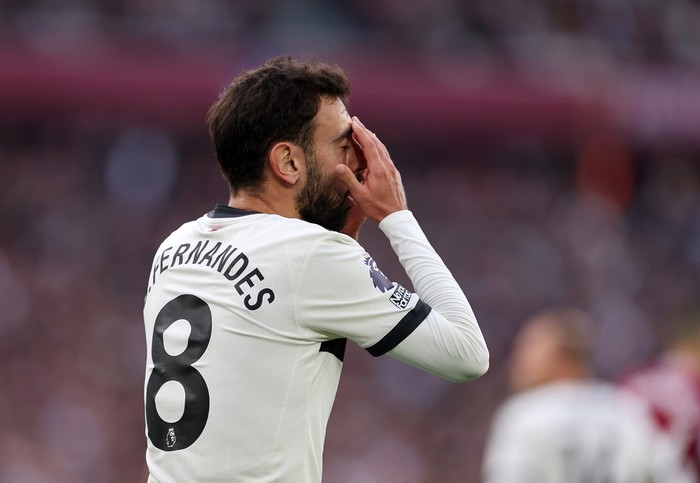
<point>182,433</point>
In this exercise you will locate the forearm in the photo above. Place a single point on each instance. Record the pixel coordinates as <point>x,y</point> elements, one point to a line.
<point>431,279</point>
<point>454,337</point>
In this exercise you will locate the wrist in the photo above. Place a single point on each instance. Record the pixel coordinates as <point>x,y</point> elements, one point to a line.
<point>395,218</point>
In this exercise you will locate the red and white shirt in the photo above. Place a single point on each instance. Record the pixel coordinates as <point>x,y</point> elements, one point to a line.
<point>673,392</point>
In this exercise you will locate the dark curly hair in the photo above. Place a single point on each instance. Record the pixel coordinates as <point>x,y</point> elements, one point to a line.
<point>274,102</point>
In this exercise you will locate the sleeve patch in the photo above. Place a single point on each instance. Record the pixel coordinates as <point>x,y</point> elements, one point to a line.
<point>380,281</point>
<point>401,297</point>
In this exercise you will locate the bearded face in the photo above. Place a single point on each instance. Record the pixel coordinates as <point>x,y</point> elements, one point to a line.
<point>319,202</point>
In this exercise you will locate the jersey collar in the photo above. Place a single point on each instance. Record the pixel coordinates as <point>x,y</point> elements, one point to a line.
<point>225,211</point>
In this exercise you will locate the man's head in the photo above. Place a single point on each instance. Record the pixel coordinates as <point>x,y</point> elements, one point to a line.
<point>286,122</point>
<point>551,346</point>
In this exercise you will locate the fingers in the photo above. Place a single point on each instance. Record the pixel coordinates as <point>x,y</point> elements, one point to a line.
<point>359,153</point>
<point>371,142</point>
<point>348,178</point>
<point>372,148</point>
<point>381,191</point>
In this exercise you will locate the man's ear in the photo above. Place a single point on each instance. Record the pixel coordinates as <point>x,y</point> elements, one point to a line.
<point>286,162</point>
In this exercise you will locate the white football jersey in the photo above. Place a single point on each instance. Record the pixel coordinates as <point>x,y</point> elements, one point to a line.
<point>246,319</point>
<point>578,432</point>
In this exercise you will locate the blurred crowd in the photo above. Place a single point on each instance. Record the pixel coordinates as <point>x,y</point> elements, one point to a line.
<point>624,30</point>
<point>596,220</point>
<point>82,217</point>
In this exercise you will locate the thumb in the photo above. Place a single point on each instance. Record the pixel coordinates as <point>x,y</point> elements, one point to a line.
<point>348,177</point>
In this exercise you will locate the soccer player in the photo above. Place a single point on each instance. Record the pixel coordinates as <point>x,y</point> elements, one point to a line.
<point>671,386</point>
<point>564,426</point>
<point>249,307</point>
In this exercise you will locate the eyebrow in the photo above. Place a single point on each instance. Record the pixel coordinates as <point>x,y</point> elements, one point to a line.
<point>344,135</point>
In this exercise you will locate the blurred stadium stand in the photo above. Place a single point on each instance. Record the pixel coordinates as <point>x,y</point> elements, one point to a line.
<point>550,149</point>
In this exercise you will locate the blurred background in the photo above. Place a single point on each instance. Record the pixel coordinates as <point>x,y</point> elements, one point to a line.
<point>549,148</point>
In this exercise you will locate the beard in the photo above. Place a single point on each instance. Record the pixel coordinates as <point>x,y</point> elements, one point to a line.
<point>319,202</point>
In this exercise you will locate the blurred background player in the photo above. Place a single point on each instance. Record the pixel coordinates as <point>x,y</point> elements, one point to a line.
<point>563,425</point>
<point>671,386</point>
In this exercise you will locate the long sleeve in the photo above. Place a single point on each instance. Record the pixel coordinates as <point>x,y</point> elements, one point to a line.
<point>449,343</point>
